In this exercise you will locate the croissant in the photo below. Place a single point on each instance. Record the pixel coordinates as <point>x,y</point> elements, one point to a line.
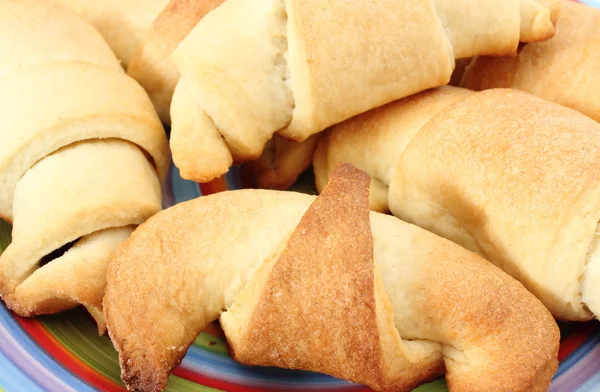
<point>151,64</point>
<point>500,172</point>
<point>81,155</point>
<point>563,70</point>
<point>122,23</point>
<point>321,285</point>
<point>250,70</point>
<point>143,33</point>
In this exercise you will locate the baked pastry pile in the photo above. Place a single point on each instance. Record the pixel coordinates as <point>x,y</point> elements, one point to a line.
<point>495,192</point>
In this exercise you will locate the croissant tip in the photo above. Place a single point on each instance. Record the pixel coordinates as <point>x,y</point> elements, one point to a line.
<point>142,378</point>
<point>8,297</point>
<point>347,170</point>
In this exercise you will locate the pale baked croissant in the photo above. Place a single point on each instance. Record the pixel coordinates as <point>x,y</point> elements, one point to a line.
<point>322,285</point>
<point>563,70</point>
<point>252,69</point>
<point>81,154</point>
<point>122,23</point>
<point>143,33</point>
<point>151,64</point>
<point>500,172</point>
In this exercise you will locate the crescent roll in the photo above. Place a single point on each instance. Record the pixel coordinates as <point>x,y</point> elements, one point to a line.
<point>563,70</point>
<point>122,23</point>
<point>143,33</point>
<point>501,172</point>
<point>322,285</point>
<point>151,64</point>
<point>82,152</point>
<point>253,69</point>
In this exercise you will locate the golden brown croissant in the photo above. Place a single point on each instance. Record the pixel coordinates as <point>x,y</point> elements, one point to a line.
<point>81,154</point>
<point>322,285</point>
<point>563,70</point>
<point>250,70</point>
<point>500,172</point>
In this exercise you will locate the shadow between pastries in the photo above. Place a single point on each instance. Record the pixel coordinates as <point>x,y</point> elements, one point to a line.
<point>322,284</point>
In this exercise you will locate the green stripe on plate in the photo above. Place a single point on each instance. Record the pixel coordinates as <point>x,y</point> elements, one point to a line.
<point>5,230</point>
<point>210,343</point>
<point>76,331</point>
<point>436,386</point>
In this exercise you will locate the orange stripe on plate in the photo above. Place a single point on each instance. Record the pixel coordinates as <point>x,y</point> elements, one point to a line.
<point>215,186</point>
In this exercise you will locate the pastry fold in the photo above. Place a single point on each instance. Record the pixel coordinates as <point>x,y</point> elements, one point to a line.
<point>82,152</point>
<point>151,64</point>
<point>563,70</point>
<point>322,285</point>
<point>250,70</point>
<point>500,172</point>
<point>122,23</point>
<point>143,33</point>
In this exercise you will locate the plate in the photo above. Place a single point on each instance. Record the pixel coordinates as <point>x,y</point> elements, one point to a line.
<point>63,352</point>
